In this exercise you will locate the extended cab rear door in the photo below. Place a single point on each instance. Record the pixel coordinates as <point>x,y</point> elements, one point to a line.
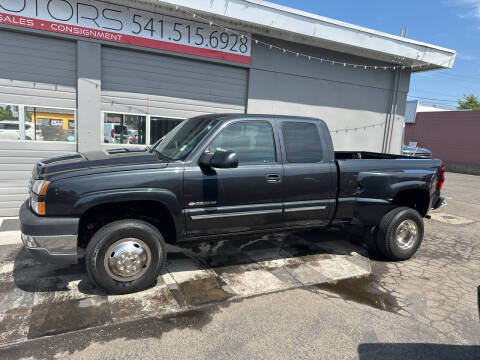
<point>309,172</point>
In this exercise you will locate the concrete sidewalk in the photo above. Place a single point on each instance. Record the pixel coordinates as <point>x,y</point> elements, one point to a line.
<point>9,224</point>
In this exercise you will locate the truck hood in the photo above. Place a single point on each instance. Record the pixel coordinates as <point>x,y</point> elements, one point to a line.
<point>96,159</point>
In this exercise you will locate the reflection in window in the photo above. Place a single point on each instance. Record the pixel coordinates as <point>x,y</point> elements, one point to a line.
<point>124,129</point>
<point>251,141</point>
<point>9,122</point>
<point>160,126</point>
<point>179,142</point>
<point>50,124</point>
<point>20,122</point>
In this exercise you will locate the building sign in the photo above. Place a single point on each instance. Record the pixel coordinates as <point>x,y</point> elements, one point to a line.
<point>105,21</point>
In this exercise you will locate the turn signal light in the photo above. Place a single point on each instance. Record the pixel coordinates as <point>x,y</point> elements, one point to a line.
<point>37,206</point>
<point>39,188</point>
<point>44,188</point>
<point>41,208</point>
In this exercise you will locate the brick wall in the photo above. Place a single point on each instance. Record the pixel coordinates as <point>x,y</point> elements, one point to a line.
<point>453,136</point>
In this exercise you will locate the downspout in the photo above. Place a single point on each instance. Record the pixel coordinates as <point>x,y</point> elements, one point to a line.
<point>394,115</point>
<point>393,102</point>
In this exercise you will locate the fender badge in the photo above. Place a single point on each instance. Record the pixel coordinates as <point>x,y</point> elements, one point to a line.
<point>202,203</point>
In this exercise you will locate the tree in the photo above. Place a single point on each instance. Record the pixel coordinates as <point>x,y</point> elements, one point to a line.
<point>6,113</point>
<point>469,102</point>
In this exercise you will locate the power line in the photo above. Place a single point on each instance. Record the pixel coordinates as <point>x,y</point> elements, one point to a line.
<point>425,98</point>
<point>444,97</point>
<point>439,106</point>
<point>426,102</point>
<point>438,93</point>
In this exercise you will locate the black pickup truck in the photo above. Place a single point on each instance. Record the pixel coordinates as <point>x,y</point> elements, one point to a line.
<point>219,176</point>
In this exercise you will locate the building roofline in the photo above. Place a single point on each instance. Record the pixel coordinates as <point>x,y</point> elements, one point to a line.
<point>277,21</point>
<point>345,24</point>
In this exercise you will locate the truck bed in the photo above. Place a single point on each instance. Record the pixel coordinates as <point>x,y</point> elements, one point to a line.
<point>369,180</point>
<point>353,155</point>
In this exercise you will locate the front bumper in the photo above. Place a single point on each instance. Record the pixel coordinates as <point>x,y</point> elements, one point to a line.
<point>52,239</point>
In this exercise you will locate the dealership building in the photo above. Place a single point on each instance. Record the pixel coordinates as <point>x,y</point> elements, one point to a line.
<point>83,75</point>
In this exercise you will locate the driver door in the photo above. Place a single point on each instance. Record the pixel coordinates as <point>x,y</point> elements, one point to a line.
<point>242,199</point>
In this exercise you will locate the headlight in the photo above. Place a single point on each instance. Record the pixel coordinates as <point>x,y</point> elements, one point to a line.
<point>40,187</point>
<point>37,197</point>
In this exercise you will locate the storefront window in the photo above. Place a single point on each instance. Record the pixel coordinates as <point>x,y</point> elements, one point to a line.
<point>160,126</point>
<point>51,124</point>
<point>124,129</point>
<point>23,122</point>
<point>9,122</point>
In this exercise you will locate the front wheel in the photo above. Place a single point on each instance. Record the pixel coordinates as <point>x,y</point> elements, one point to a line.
<point>399,234</point>
<point>125,256</point>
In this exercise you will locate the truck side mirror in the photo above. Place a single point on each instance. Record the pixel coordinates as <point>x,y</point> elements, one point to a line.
<point>219,159</point>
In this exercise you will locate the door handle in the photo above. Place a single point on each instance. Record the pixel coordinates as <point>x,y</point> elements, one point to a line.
<point>273,178</point>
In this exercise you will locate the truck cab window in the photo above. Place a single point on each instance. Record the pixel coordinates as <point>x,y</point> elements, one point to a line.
<point>302,142</point>
<point>252,142</point>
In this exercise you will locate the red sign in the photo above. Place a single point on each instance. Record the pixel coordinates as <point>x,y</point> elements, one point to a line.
<point>134,27</point>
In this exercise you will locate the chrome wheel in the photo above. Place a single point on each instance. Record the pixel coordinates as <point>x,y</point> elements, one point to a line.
<point>127,259</point>
<point>406,234</point>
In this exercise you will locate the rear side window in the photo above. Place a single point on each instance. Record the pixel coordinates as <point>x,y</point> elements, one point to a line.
<point>302,142</point>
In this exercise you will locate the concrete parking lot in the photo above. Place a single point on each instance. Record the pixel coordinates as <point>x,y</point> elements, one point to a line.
<point>277,297</point>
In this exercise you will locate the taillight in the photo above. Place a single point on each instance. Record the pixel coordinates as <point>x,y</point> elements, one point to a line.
<point>112,133</point>
<point>442,177</point>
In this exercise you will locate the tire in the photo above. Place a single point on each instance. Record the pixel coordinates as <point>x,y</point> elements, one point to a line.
<point>128,238</point>
<point>402,245</point>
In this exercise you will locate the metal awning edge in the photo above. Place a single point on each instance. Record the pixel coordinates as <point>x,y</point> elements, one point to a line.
<point>318,31</point>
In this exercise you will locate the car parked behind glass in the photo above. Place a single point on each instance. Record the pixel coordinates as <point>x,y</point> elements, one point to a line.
<point>9,130</point>
<point>416,152</point>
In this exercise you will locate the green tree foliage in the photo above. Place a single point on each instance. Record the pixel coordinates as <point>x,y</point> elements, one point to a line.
<point>469,102</point>
<point>6,113</point>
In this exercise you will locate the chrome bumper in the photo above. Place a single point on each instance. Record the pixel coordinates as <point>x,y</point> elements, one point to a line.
<point>40,236</point>
<point>57,249</point>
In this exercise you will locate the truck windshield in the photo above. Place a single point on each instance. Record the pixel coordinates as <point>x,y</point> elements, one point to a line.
<point>179,142</point>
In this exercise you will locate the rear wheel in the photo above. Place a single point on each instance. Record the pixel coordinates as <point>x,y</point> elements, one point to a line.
<point>125,256</point>
<point>399,234</point>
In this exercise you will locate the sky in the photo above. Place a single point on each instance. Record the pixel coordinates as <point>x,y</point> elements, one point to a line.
<point>453,24</point>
